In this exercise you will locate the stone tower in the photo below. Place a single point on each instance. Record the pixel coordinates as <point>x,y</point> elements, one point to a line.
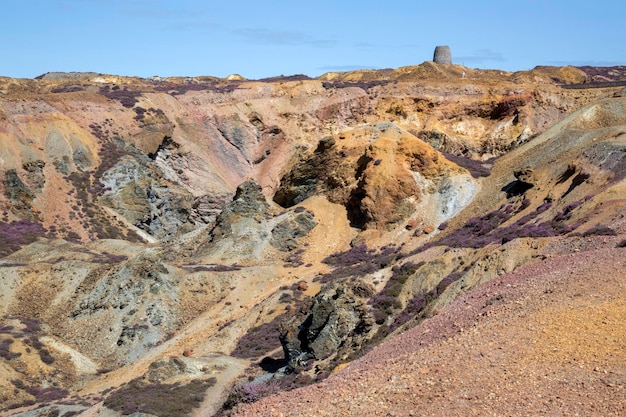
<point>442,55</point>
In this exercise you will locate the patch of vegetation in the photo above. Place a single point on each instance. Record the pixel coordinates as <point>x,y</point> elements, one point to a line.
<point>259,340</point>
<point>162,400</point>
<point>365,85</point>
<point>284,78</point>
<point>476,169</point>
<point>125,96</point>
<point>265,338</point>
<point>19,233</point>
<point>249,392</point>
<point>294,259</point>
<point>481,231</point>
<point>252,391</point>
<point>140,112</point>
<point>5,350</point>
<point>212,268</point>
<point>68,89</point>
<point>214,86</point>
<point>599,230</point>
<point>30,336</point>
<point>386,302</point>
<point>359,261</point>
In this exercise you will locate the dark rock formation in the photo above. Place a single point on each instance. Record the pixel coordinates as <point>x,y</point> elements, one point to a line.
<point>525,180</point>
<point>311,174</point>
<point>248,202</point>
<point>338,323</point>
<point>35,175</point>
<point>526,176</point>
<point>20,196</point>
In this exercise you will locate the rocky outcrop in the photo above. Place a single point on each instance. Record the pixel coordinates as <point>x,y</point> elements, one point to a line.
<point>19,195</point>
<point>133,304</point>
<point>35,175</point>
<point>248,202</point>
<point>147,200</point>
<point>337,324</point>
<point>285,235</point>
<point>377,172</point>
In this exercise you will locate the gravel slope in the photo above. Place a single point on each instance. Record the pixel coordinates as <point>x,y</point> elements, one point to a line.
<point>548,339</point>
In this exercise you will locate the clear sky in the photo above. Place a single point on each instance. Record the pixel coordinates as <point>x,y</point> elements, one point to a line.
<point>268,38</point>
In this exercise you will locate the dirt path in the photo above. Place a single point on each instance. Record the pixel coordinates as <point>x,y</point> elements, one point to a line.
<point>216,395</point>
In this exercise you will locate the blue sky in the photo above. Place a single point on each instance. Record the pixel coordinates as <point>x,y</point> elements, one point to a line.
<point>267,38</point>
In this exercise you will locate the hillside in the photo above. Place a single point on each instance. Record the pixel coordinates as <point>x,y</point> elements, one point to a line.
<point>186,246</point>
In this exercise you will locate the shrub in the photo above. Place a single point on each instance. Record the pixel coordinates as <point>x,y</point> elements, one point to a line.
<point>481,231</point>
<point>47,394</point>
<point>386,302</point>
<point>365,85</point>
<point>46,357</point>
<point>359,261</point>
<point>5,350</point>
<point>163,400</point>
<point>599,230</point>
<point>126,97</point>
<point>415,306</point>
<point>259,340</point>
<point>251,391</point>
<point>18,233</point>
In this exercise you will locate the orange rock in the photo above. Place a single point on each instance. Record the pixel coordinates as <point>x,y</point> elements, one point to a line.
<point>187,352</point>
<point>410,225</point>
<point>303,286</point>
<point>429,229</point>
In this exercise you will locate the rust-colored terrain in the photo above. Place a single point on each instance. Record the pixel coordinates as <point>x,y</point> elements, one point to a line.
<point>429,240</point>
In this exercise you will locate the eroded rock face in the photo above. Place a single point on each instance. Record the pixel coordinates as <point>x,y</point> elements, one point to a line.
<point>19,195</point>
<point>338,322</point>
<point>248,202</point>
<point>372,172</point>
<point>132,305</point>
<point>147,200</point>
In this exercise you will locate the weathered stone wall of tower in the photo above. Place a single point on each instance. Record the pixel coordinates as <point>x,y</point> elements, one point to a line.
<point>442,55</point>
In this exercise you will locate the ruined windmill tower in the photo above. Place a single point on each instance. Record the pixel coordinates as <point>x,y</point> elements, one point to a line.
<point>442,55</point>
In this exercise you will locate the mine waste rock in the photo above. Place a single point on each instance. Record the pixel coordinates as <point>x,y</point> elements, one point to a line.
<point>248,202</point>
<point>286,233</point>
<point>150,202</point>
<point>338,323</point>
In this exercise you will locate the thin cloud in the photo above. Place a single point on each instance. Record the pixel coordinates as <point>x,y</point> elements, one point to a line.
<point>584,63</point>
<point>344,67</point>
<point>480,56</point>
<point>364,45</point>
<point>282,38</point>
<point>370,45</point>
